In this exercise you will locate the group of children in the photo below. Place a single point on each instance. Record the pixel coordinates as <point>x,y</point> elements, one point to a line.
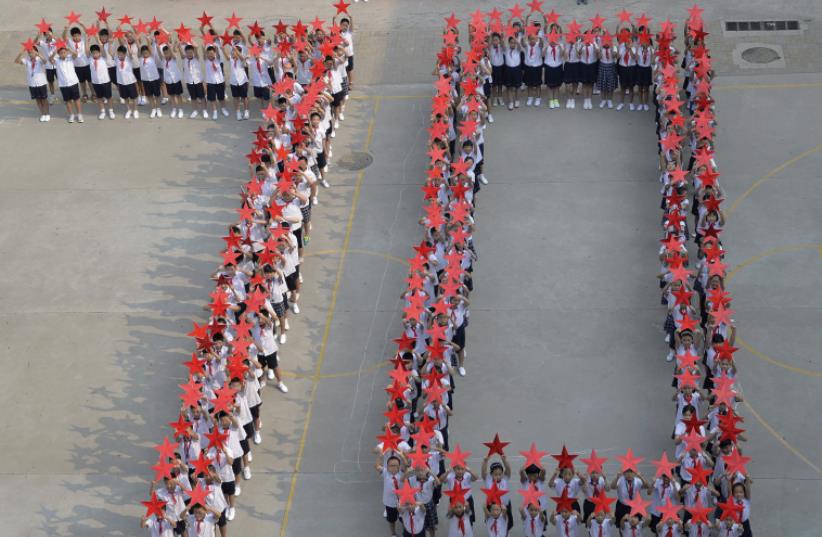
<point>528,53</point>
<point>705,489</point>
<point>199,473</point>
<point>195,75</point>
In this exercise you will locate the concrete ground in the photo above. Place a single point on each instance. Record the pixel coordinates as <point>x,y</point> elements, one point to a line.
<point>109,236</point>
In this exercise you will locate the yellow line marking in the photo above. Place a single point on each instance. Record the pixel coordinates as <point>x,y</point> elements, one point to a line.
<point>329,317</point>
<point>789,85</point>
<point>747,346</point>
<point>771,174</point>
<point>780,438</point>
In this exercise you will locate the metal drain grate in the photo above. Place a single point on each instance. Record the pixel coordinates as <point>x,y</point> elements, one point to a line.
<point>760,55</point>
<point>761,26</point>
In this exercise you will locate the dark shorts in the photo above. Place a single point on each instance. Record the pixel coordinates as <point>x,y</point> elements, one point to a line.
<point>70,93</point>
<point>644,76</point>
<point>279,308</point>
<point>270,360</point>
<point>338,99</point>
<point>391,514</point>
<point>102,91</point>
<point>160,71</point>
<point>459,336</point>
<point>262,93</point>
<point>221,522</point>
<point>39,92</point>
<point>570,73</point>
<point>533,76</point>
<point>229,488</point>
<point>175,89</point>
<point>51,74</point>
<point>498,75</point>
<point>553,76</point>
<point>293,279</point>
<point>83,73</point>
<point>237,466</point>
<point>112,73</point>
<point>152,87</point>
<point>215,92</point>
<point>513,76</point>
<point>195,91</point>
<point>239,92</point>
<point>298,234</point>
<point>588,72</point>
<point>128,91</point>
<point>627,76</point>
<point>137,74</point>
<point>350,66</point>
<point>321,160</point>
<point>255,411</point>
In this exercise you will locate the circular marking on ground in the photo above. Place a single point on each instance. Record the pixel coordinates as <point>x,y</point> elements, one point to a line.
<point>355,161</point>
<point>760,55</point>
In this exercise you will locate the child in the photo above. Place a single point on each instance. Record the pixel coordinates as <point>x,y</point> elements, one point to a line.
<point>215,82</point>
<point>592,486</point>
<point>606,76</point>
<point>628,484</point>
<point>173,82</point>
<point>571,72</point>
<point>497,57</point>
<point>193,75</point>
<point>46,46</point>
<point>564,481</point>
<point>80,57</point>
<point>36,79</point>
<point>631,526</point>
<point>202,520</point>
<point>162,526</point>
<point>68,82</point>
<point>150,77</point>
<point>424,481</point>
<point>644,75</point>
<point>460,521</point>
<point>391,477</point>
<point>566,522</point>
<point>513,72</point>
<point>601,525</point>
<point>267,348</point>
<point>533,520</point>
<point>499,473</point>
<point>413,520</point>
<point>127,82</point>
<point>533,70</point>
<point>497,520</point>
<point>238,82</point>
<point>626,70</point>
<point>554,59</point>
<point>100,82</point>
<point>588,57</point>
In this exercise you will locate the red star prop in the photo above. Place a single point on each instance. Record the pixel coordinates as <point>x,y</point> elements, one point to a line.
<point>396,416</point>
<point>155,25</point>
<point>341,6</point>
<point>224,400</point>
<point>516,11</point>
<point>191,392</point>
<point>154,506</point>
<point>233,21</point>
<point>699,513</point>
<point>730,510</point>
<point>456,494</point>
<point>457,457</point>
<point>625,16</point>
<point>494,494</point>
<point>418,459</point>
<point>180,426</point>
<point>699,474</point>
<point>496,446</point>
<point>201,464</point>
<point>533,455</point>
<point>162,469</point>
<point>629,461</point>
<point>531,495</point>
<point>722,315</point>
<point>198,495</point>
<point>686,360</point>
<point>735,462</point>
<point>669,511</point>
<point>639,506</point>
<point>695,13</point>
<point>564,502</point>
<point>596,21</point>
<point>205,19</point>
<point>92,30</point>
<point>693,424</point>
<point>643,20</point>
<point>664,466</point>
<point>693,440</point>
<point>72,18</point>
<point>216,438</point>
<point>389,440</point>
<point>552,17</point>
<point>564,459</point>
<point>43,26</point>
<point>594,463</point>
<point>166,449</point>
<point>255,29</point>
<point>406,493</point>
<point>687,378</point>
<point>141,27</point>
<point>535,6</point>
<point>317,23</point>
<point>28,44</point>
<point>125,19</point>
<point>603,502</point>
<point>103,15</point>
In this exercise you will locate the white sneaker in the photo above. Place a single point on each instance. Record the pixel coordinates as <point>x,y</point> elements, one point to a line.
<point>287,325</point>
<point>239,116</point>
<point>538,101</point>
<point>631,107</point>
<point>245,114</point>
<point>610,103</point>
<point>333,134</point>
<point>282,387</point>
<point>136,114</point>
<point>283,338</point>
<point>42,118</point>
<point>315,201</point>
<point>237,490</point>
<point>510,106</point>
<point>173,113</point>
<point>153,113</point>
<point>461,371</point>
<point>573,103</point>
<point>159,113</point>
<point>205,114</point>
<point>250,456</point>
<point>529,101</point>
<point>602,104</point>
<point>482,179</point>
<point>516,103</point>
<point>164,100</point>
<point>295,308</point>
<point>646,107</point>
<point>247,473</point>
<point>111,113</point>
<point>128,114</point>
<point>300,277</point>
<point>330,154</point>
<point>47,118</point>
<point>225,112</point>
<point>342,116</point>
<point>270,374</point>
<point>101,115</point>
<point>194,114</point>
<point>80,118</point>
<point>490,118</point>
<point>670,357</point>
<point>214,116</point>
<point>568,104</point>
<point>122,101</point>
<point>141,101</point>
<point>180,113</point>
<point>336,124</point>
<point>325,184</point>
<point>620,106</point>
<point>257,440</point>
<point>229,514</point>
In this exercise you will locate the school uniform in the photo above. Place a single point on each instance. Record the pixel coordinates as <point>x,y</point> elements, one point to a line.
<point>604,529</point>
<point>699,530</point>
<point>554,71</point>
<point>238,78</point>
<point>626,490</point>
<point>533,526</point>
<point>349,49</point>
<point>81,63</point>
<point>626,66</point>
<point>201,528</point>
<point>390,483</point>
<point>413,522</point>
<point>171,77</point>
<point>592,488</point>
<point>497,527</point>
<point>606,74</point>
<point>497,55</point>
<point>36,78</point>
<point>588,63</point>
<point>567,527</point>
<point>571,488</point>
<point>644,71</point>
<point>260,79</point>
<point>631,531</point>
<point>47,48</point>
<point>660,495</point>
<point>100,79</point>
<point>533,64</point>
<point>150,75</point>
<point>67,79</point>
<point>193,76</point>
<point>215,80</point>
<point>126,81</point>
<point>108,51</point>
<point>461,526</point>
<point>158,527</point>
<point>134,52</point>
<point>513,67</point>
<point>570,74</point>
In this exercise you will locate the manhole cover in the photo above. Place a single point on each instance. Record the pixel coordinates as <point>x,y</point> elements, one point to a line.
<point>356,160</point>
<point>760,55</point>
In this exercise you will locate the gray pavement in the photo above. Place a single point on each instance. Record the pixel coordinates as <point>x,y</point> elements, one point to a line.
<point>109,237</point>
